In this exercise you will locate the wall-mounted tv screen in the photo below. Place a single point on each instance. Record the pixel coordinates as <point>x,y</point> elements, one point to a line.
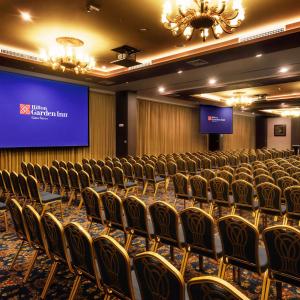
<point>214,119</point>
<point>37,112</point>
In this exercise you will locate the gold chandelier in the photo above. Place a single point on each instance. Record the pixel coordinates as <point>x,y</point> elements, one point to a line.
<point>204,15</point>
<point>67,54</point>
<point>240,100</point>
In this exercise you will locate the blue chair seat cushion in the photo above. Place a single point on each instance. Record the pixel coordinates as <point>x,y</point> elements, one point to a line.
<point>2,205</point>
<point>48,197</point>
<point>130,184</point>
<point>100,189</point>
<point>159,179</point>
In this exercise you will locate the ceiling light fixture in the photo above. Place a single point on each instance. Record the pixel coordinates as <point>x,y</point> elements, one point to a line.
<point>212,81</point>
<point>216,15</point>
<point>161,89</point>
<point>67,55</point>
<point>240,100</point>
<point>179,71</point>
<point>26,16</point>
<point>283,70</point>
<point>258,55</point>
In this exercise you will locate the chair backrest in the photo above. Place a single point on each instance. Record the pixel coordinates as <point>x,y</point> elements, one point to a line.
<point>24,186</point>
<point>100,163</point>
<point>219,189</point>
<point>161,168</point>
<point>24,168</point>
<point>285,182</point>
<point>55,176</point>
<point>208,174</point>
<point>39,173</point>
<point>226,175</point>
<point>92,161</point>
<point>149,172</point>
<point>138,171</point>
<point>283,247</point>
<point>243,193</point>
<point>54,235</point>
<point>113,210</point>
<point>2,184</point>
<point>7,181</point>
<point>260,171</point>
<point>85,161</point>
<point>128,170</point>
<point>70,165</point>
<point>198,229</point>
<point>81,249</point>
<point>107,175</point>
<point>157,278</point>
<point>228,169</point>
<point>46,175</point>
<point>269,197</point>
<point>181,165</point>
<point>244,176</point>
<point>92,204</point>
<point>33,189</point>
<point>97,172</point>
<point>55,163</point>
<point>119,176</point>
<point>263,178</point>
<point>110,164</point>
<point>30,169</point>
<point>210,287</point>
<point>199,188</point>
<point>78,166</point>
<point>87,168</point>
<point>240,240</point>
<point>180,182</point>
<point>32,221</point>
<point>136,215</point>
<point>297,176</point>
<point>292,197</point>
<point>206,163</point>
<point>172,168</point>
<point>74,179</point>
<point>114,266</point>
<point>16,214</point>
<point>64,178</point>
<point>15,184</point>
<point>191,166</point>
<point>165,222</point>
<point>84,179</point>
<point>278,174</point>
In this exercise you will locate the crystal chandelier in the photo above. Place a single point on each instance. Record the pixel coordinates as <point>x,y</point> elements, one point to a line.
<point>67,55</point>
<point>240,100</point>
<point>217,16</point>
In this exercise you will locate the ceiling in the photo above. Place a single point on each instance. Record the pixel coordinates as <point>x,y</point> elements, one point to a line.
<point>119,22</point>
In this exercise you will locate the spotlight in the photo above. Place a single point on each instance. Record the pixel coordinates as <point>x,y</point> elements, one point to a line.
<point>161,89</point>
<point>26,16</point>
<point>283,70</point>
<point>258,55</point>
<point>92,6</point>
<point>212,81</point>
<point>179,71</point>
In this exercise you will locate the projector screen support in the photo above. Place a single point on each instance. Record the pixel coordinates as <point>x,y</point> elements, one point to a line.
<point>215,142</point>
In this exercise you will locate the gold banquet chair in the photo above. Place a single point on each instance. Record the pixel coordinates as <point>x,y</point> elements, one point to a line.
<point>292,197</point>
<point>151,178</point>
<point>210,287</point>
<point>75,186</point>
<point>181,188</point>
<point>115,270</point>
<point>157,278</point>
<point>122,183</point>
<point>65,182</point>
<point>200,194</point>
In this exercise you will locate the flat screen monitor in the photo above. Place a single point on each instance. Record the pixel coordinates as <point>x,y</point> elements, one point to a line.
<point>37,112</point>
<point>214,119</point>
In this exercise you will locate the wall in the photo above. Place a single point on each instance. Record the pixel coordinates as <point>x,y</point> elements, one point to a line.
<point>167,128</point>
<point>279,142</point>
<point>243,136</point>
<point>102,139</point>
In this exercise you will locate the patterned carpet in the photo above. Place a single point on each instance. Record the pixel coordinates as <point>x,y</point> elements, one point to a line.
<point>11,286</point>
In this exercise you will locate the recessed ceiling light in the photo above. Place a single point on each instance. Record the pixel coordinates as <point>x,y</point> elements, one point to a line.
<point>283,70</point>
<point>253,113</point>
<point>103,67</point>
<point>179,71</point>
<point>143,29</point>
<point>26,16</point>
<point>258,55</point>
<point>161,89</point>
<point>212,81</point>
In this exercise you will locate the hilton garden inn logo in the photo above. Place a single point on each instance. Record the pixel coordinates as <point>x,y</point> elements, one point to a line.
<point>40,112</point>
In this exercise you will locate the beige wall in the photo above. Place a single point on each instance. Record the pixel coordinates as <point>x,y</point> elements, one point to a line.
<point>279,142</point>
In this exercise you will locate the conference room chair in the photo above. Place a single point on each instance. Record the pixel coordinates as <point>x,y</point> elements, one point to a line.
<point>121,182</point>
<point>219,189</point>
<point>55,179</point>
<point>228,169</point>
<point>108,177</point>
<point>78,166</point>
<point>55,163</point>
<point>210,287</point>
<point>199,236</point>
<point>181,166</point>
<point>292,197</point>
<point>100,163</point>
<point>206,163</point>
<point>208,174</point>
<point>128,171</point>
<point>32,222</point>
<point>24,188</point>
<point>137,220</point>
<point>161,168</point>
<point>221,161</point>
<point>92,161</point>
<point>165,220</point>
<point>227,176</point>
<point>244,176</point>
<point>263,178</point>
<point>16,215</point>
<point>151,162</point>
<point>117,164</point>
<point>261,171</point>
<point>8,187</point>
<point>132,161</point>
<point>84,161</point>
<point>152,179</point>
<point>70,165</point>
<point>123,160</point>
<point>115,270</point>
<point>292,170</point>
<point>283,247</point>
<point>157,278</point>
<point>244,200</point>
<point>115,216</point>
<point>82,257</point>
<point>88,169</point>
<point>240,246</point>
<point>16,186</point>
<point>171,168</point>
<point>30,168</point>
<point>233,161</point>
<point>39,175</point>
<point>110,163</point>
<point>47,178</point>
<point>24,168</point>
<point>62,164</point>
<point>243,170</point>
<point>191,167</point>
<point>45,199</point>
<point>285,182</point>
<point>181,188</point>
<point>278,174</point>
<point>275,168</point>
<point>199,189</point>
<point>56,247</point>
<point>65,182</point>
<point>97,172</point>
<point>139,174</point>
<point>247,166</point>
<point>75,186</point>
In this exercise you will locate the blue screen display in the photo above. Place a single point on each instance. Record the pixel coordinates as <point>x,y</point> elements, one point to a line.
<point>37,112</point>
<point>215,119</point>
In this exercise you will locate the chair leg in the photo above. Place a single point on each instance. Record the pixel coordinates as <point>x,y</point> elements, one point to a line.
<point>90,225</point>
<point>285,220</point>
<point>145,187</point>
<point>61,210</point>
<point>49,279</point>
<point>184,261</point>
<point>155,189</point>
<point>44,209</point>
<point>128,241</point>
<point>264,286</point>
<point>72,194</point>
<point>172,253</point>
<point>126,192</point>
<point>33,259</point>
<point>80,203</point>
<point>5,220</point>
<point>16,256</point>
<point>155,245</point>
<point>279,289</point>
<point>75,287</point>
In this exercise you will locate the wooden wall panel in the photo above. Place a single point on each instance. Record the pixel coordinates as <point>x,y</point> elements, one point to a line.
<point>167,128</point>
<point>243,136</point>
<point>102,139</point>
